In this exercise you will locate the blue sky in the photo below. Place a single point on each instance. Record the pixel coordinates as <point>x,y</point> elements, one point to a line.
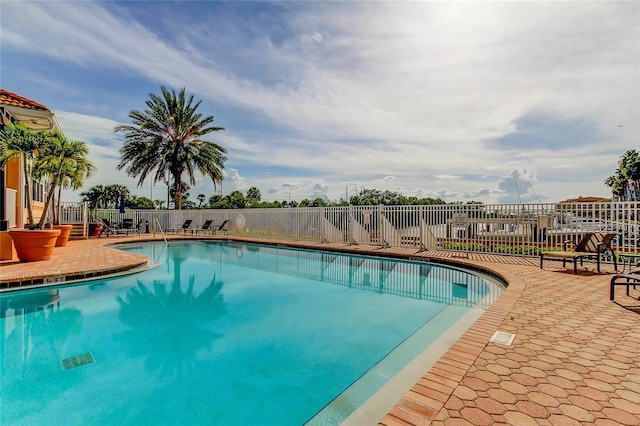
<point>485,101</point>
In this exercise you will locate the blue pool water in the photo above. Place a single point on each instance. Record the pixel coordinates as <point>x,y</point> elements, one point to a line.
<point>218,333</point>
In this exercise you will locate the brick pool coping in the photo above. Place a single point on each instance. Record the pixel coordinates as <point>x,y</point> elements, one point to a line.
<point>575,358</point>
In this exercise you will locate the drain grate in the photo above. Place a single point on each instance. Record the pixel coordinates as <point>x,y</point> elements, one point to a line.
<point>78,361</point>
<point>503,338</point>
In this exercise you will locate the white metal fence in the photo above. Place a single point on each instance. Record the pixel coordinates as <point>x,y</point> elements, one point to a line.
<point>510,229</point>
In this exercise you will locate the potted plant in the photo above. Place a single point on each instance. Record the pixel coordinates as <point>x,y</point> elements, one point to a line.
<point>95,228</point>
<point>18,142</point>
<point>64,164</point>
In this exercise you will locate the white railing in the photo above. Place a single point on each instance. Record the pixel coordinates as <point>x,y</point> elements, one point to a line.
<point>510,229</point>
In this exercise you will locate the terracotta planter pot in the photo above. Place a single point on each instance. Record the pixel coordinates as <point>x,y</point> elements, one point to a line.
<point>95,228</point>
<point>65,231</point>
<point>34,245</point>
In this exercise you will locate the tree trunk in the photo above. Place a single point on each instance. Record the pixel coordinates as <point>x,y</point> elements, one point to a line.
<point>50,193</point>
<point>177,191</point>
<point>27,188</point>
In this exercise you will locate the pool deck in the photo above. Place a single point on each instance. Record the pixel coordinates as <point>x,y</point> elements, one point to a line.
<point>575,359</point>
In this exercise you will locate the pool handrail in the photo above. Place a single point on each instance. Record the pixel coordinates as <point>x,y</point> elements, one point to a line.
<point>164,237</point>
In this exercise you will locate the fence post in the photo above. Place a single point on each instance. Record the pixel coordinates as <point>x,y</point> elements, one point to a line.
<point>85,220</point>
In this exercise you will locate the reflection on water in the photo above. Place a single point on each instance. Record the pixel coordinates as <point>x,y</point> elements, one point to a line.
<point>416,280</point>
<point>33,337</point>
<point>163,314</point>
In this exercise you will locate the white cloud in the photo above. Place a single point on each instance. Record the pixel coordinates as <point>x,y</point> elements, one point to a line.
<point>319,191</point>
<point>237,180</point>
<point>411,91</point>
<point>517,187</point>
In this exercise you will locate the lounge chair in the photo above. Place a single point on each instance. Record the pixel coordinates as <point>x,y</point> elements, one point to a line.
<point>221,228</point>
<point>206,227</point>
<point>630,279</point>
<point>109,229</point>
<point>186,226</point>
<point>127,227</point>
<point>592,245</point>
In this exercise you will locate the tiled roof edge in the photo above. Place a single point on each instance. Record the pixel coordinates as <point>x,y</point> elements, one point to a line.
<point>12,99</point>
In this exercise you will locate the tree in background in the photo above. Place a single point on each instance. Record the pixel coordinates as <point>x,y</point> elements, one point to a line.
<point>116,194</point>
<point>317,202</point>
<point>166,140</point>
<point>237,200</point>
<point>375,197</point>
<point>253,196</point>
<point>103,197</point>
<point>624,183</point>
<point>135,202</point>
<point>96,196</point>
<point>201,198</point>
<point>252,199</point>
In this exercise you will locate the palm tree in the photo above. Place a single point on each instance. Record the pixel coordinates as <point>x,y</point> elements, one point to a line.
<point>96,196</point>
<point>18,142</point>
<point>629,165</point>
<point>165,140</point>
<point>618,185</point>
<point>63,162</point>
<point>625,182</point>
<point>254,195</point>
<point>201,197</point>
<point>184,192</point>
<point>72,177</point>
<point>116,193</point>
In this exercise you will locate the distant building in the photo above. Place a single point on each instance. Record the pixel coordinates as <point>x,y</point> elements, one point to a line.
<point>586,200</point>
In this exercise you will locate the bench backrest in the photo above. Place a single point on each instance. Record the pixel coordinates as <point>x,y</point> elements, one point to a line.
<point>592,241</point>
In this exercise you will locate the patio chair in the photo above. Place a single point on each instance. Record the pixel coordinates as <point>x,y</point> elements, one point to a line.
<point>184,228</point>
<point>206,227</point>
<point>591,245</point>
<point>109,229</point>
<point>632,278</point>
<point>221,228</point>
<point>127,227</point>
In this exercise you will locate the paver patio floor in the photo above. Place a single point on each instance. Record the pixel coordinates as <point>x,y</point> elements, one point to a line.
<point>575,359</point>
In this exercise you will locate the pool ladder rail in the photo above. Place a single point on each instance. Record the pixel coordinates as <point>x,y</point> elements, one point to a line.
<point>164,237</point>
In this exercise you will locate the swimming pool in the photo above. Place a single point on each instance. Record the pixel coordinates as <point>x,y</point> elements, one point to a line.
<point>224,333</point>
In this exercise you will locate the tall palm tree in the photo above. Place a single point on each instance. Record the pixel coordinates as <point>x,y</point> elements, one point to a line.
<point>72,177</point>
<point>165,141</point>
<point>60,161</point>
<point>18,142</point>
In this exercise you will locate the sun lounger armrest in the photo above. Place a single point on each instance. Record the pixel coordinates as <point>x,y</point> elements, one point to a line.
<point>604,247</point>
<point>627,280</point>
<point>631,276</point>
